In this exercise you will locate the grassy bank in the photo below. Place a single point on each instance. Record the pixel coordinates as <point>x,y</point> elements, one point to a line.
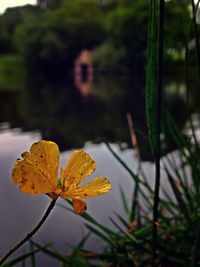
<point>12,73</point>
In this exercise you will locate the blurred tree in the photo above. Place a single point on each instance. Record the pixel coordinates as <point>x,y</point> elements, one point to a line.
<point>48,3</point>
<point>107,59</point>
<point>5,43</point>
<point>9,22</point>
<point>51,43</point>
<point>177,23</point>
<point>49,40</point>
<point>127,29</point>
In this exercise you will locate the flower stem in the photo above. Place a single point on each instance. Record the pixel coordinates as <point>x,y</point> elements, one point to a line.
<point>157,151</point>
<point>30,234</point>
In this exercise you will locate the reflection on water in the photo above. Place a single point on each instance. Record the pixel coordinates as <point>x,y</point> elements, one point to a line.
<point>71,114</point>
<point>62,113</point>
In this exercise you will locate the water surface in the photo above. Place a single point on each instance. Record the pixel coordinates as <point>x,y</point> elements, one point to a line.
<point>74,117</point>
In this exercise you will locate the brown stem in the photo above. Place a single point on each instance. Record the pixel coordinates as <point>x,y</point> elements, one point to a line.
<point>30,234</point>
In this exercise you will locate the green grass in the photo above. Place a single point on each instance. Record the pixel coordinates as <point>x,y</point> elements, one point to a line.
<point>12,73</point>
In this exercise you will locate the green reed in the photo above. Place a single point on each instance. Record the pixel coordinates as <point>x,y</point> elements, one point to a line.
<point>154,99</point>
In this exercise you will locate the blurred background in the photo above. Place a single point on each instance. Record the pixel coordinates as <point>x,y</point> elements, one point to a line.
<point>70,72</point>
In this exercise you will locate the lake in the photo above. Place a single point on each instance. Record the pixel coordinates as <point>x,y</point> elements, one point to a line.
<point>76,116</point>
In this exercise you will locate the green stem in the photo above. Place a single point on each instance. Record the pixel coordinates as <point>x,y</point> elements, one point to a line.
<point>158,131</point>
<point>195,249</point>
<point>134,176</point>
<point>30,234</point>
<point>196,33</point>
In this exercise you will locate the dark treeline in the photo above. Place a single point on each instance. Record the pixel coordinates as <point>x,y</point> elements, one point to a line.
<point>50,38</point>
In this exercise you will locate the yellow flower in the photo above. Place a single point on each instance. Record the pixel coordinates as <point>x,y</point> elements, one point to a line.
<point>37,173</point>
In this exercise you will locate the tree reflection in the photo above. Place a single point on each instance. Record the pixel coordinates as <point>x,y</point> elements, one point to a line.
<point>62,114</point>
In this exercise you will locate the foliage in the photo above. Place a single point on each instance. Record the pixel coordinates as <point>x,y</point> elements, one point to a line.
<point>51,39</point>
<point>14,72</point>
<point>51,43</point>
<point>109,59</point>
<point>176,15</point>
<point>126,25</point>
<point>128,22</point>
<point>8,24</point>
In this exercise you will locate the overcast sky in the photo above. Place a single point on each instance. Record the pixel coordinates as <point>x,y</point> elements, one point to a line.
<point>11,3</point>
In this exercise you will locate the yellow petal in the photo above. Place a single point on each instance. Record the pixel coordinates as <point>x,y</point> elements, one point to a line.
<point>45,157</point>
<point>79,205</point>
<point>37,172</point>
<point>96,187</point>
<point>79,166</point>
